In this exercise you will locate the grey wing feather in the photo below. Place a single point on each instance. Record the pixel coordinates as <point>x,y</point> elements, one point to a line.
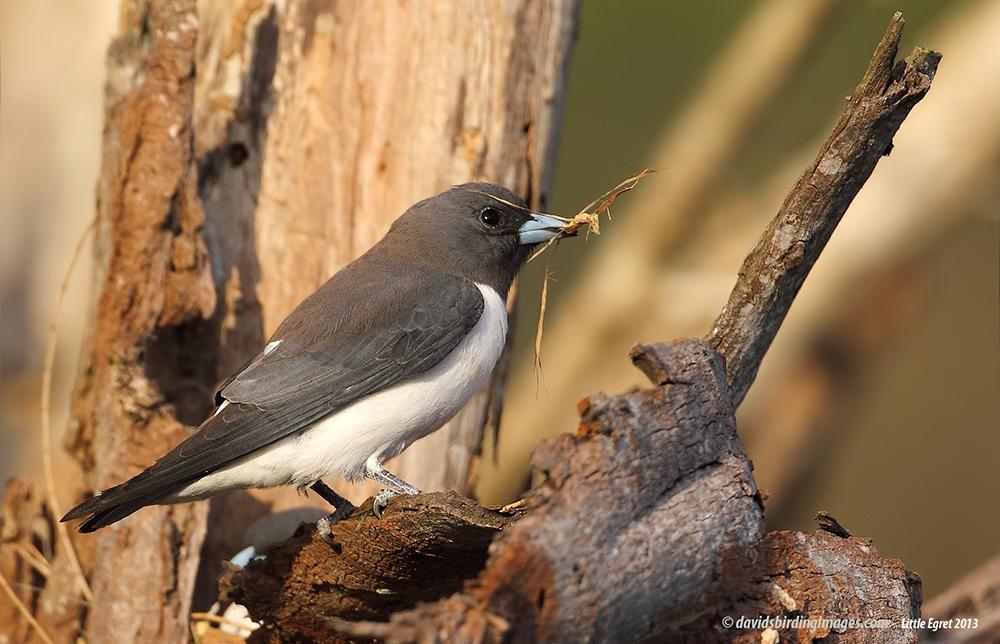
<point>360,349</point>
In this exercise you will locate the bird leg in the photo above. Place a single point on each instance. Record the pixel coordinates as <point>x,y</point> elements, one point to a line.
<point>327,494</point>
<point>342,508</point>
<point>397,486</point>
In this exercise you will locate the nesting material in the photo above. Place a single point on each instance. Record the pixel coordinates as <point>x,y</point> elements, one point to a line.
<point>541,320</point>
<point>588,218</point>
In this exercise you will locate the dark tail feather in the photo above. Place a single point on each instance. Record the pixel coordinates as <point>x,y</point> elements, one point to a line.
<point>106,517</point>
<point>105,509</point>
<point>89,506</point>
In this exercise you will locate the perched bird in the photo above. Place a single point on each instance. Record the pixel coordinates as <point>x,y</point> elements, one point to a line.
<point>382,354</point>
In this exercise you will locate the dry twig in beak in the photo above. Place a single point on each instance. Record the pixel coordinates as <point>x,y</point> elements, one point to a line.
<point>589,218</point>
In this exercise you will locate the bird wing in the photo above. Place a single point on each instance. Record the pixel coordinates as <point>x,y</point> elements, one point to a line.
<point>330,352</point>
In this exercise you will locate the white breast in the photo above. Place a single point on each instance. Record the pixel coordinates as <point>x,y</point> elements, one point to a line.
<point>380,425</point>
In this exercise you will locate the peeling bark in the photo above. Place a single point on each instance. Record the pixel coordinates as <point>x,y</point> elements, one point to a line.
<point>155,288</point>
<point>647,525</point>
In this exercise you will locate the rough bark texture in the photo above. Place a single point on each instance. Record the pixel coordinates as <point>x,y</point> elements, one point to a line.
<point>696,151</point>
<point>155,290</point>
<point>424,546</point>
<point>251,149</point>
<point>647,525</point>
<point>774,271</point>
<point>815,575</point>
<point>790,575</point>
<point>318,123</point>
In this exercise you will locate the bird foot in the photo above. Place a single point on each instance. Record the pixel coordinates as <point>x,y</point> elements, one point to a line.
<point>323,525</point>
<point>375,472</point>
<point>381,501</point>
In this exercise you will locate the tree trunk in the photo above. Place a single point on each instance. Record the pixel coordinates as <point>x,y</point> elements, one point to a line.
<point>251,149</point>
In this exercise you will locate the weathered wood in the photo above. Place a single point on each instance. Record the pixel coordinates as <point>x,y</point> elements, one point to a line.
<point>156,295</point>
<point>651,472</point>
<point>344,116</point>
<point>648,473</point>
<point>647,524</point>
<point>695,150</point>
<point>423,548</point>
<point>648,528</point>
<point>817,576</point>
<point>775,269</point>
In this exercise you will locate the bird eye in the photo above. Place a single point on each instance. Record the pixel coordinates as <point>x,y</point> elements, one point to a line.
<point>490,217</point>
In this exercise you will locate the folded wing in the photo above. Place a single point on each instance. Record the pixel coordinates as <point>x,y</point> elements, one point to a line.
<point>358,334</point>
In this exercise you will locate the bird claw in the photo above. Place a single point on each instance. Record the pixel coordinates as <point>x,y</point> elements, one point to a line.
<point>324,525</point>
<point>375,472</point>
<point>381,502</point>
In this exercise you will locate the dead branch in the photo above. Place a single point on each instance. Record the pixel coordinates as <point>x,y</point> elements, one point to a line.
<point>873,276</point>
<point>661,466</point>
<point>648,523</point>
<point>229,190</point>
<point>977,595</point>
<point>776,268</point>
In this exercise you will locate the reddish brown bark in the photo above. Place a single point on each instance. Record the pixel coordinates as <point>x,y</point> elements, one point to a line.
<point>424,546</point>
<point>155,285</point>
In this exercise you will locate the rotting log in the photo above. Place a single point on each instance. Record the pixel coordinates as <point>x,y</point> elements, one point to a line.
<point>425,546</point>
<point>647,524</point>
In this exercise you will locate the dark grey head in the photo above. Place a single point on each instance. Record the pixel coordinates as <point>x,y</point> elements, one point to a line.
<point>480,231</point>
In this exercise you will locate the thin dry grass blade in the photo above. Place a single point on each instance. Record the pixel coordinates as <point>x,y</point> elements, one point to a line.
<point>589,218</point>
<point>46,433</point>
<point>21,608</point>
<point>541,320</point>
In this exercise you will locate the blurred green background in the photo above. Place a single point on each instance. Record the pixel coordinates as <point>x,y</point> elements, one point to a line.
<point>902,447</point>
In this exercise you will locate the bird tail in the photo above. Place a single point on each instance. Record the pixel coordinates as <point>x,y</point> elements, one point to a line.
<point>104,509</point>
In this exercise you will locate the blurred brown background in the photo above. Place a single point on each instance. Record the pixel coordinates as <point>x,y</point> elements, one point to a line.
<point>879,401</point>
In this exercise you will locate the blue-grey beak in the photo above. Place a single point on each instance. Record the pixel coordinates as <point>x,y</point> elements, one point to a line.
<point>540,228</point>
